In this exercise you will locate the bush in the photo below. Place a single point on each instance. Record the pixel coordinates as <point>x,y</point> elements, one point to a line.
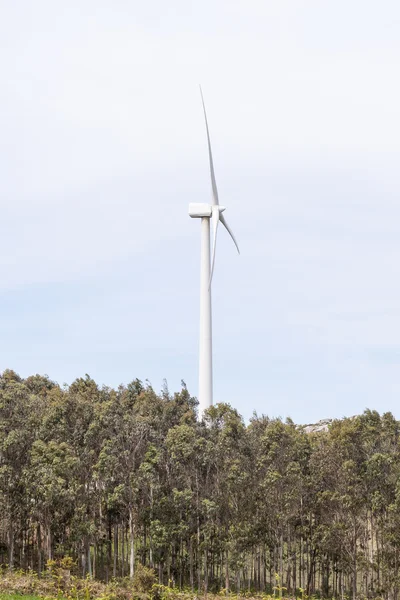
<point>143,579</point>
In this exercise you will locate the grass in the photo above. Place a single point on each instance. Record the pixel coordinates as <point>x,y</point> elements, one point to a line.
<point>18,597</point>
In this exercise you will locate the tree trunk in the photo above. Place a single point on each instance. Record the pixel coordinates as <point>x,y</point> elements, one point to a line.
<point>311,572</point>
<point>94,559</point>
<point>131,544</point>
<point>191,573</point>
<point>49,544</point>
<point>205,571</point>
<point>39,543</point>
<point>115,550</point>
<point>355,563</point>
<point>227,572</point>
<point>123,532</point>
<point>11,545</point>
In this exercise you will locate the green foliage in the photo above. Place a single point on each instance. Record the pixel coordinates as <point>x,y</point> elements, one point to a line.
<point>122,494</point>
<point>144,579</point>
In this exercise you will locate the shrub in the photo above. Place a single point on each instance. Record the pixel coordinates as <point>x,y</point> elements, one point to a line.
<point>143,579</point>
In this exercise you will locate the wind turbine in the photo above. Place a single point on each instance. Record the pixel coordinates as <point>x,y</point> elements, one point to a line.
<point>207,212</point>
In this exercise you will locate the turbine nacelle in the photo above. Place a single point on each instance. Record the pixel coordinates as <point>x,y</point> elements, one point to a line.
<point>213,212</point>
<point>199,210</point>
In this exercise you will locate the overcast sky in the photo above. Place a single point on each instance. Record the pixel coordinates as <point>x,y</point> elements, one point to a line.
<point>103,146</point>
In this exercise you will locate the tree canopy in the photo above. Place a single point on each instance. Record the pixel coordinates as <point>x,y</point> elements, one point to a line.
<point>115,478</point>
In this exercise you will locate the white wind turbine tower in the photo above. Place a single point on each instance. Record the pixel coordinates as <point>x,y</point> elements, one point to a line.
<point>207,212</point>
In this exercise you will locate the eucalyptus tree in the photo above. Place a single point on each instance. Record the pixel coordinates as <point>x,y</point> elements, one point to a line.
<point>19,411</point>
<point>120,477</point>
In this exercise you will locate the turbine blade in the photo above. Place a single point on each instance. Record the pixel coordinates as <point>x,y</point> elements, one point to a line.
<point>215,216</point>
<point>225,224</point>
<point>213,182</point>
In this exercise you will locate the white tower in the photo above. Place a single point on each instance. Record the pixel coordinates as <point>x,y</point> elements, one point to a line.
<point>207,212</point>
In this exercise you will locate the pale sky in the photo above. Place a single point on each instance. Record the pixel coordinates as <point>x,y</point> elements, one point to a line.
<point>103,146</point>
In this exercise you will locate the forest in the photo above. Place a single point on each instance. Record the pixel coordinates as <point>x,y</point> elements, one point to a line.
<point>117,478</point>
